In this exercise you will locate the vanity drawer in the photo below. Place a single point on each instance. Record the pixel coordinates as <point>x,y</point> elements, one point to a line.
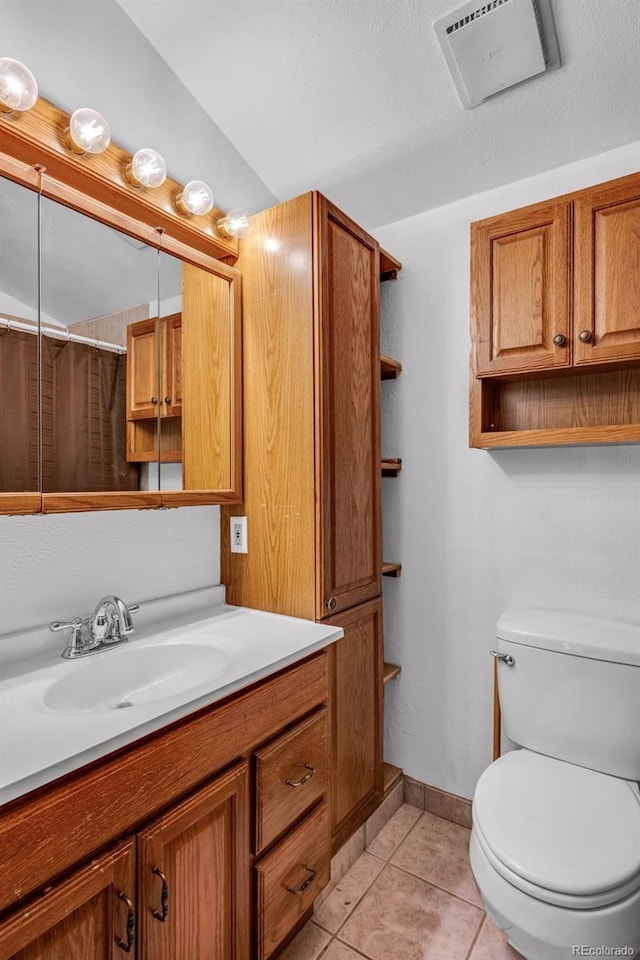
<point>290,877</point>
<point>291,775</point>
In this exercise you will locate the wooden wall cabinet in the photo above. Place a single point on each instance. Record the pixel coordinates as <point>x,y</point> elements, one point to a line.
<point>555,321</point>
<point>207,845</point>
<point>311,280</point>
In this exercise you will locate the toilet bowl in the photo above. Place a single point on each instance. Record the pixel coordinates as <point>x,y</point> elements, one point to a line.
<point>555,849</point>
<point>555,842</point>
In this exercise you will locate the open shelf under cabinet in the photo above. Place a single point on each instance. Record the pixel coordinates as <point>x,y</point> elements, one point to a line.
<point>391,671</point>
<point>390,369</point>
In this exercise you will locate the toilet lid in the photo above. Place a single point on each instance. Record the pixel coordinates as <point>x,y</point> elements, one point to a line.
<point>561,827</point>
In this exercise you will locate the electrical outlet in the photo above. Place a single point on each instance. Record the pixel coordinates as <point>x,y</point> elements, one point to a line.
<point>239,535</point>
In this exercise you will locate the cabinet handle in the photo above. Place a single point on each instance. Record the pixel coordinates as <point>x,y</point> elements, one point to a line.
<point>305,883</point>
<point>167,400</point>
<point>331,603</point>
<point>559,339</point>
<point>162,916</point>
<point>585,336</point>
<point>305,779</point>
<point>154,401</point>
<point>131,924</point>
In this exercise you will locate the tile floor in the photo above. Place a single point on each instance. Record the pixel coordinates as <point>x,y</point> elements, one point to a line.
<point>410,896</point>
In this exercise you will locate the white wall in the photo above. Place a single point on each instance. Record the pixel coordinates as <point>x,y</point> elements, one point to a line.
<point>58,566</point>
<point>479,531</point>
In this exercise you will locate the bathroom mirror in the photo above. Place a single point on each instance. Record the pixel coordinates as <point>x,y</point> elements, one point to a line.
<point>19,347</point>
<point>120,360</point>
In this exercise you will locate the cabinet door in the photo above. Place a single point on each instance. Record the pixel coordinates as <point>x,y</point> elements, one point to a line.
<point>520,290</point>
<point>172,365</point>
<point>193,878</point>
<point>142,369</point>
<point>355,694</point>
<point>607,271</point>
<point>348,428</point>
<point>89,916</point>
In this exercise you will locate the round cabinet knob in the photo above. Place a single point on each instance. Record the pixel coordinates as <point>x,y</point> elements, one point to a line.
<point>167,400</point>
<point>585,336</point>
<point>331,603</point>
<point>154,401</point>
<point>559,339</point>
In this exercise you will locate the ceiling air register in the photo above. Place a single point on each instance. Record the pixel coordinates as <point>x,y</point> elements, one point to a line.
<point>492,46</point>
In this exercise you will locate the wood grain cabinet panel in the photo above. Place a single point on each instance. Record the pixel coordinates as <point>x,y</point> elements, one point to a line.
<point>521,289</point>
<point>555,321</point>
<point>193,876</point>
<point>85,917</point>
<point>289,879</point>
<point>349,424</point>
<point>356,665</point>
<point>292,773</point>
<point>607,274</point>
<point>311,414</point>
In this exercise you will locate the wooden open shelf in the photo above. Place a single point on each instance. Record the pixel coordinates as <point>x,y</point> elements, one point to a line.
<point>392,775</point>
<point>391,569</point>
<point>582,408</point>
<point>389,266</point>
<point>391,466</point>
<point>390,369</point>
<point>391,671</point>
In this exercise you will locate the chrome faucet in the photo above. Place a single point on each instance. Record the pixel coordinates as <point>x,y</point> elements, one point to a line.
<point>109,624</point>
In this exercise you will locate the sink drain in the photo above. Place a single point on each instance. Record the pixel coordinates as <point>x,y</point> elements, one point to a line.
<point>123,703</point>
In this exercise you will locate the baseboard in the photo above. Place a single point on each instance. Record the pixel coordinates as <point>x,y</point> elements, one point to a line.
<point>439,802</point>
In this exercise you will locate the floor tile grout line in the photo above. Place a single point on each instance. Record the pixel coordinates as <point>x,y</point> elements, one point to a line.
<point>400,842</point>
<point>476,938</point>
<point>430,883</point>
<point>356,950</point>
<point>358,901</point>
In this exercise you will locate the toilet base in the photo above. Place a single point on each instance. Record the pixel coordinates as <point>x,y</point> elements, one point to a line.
<point>542,931</point>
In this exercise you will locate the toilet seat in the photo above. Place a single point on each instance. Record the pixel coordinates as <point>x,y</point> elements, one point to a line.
<point>564,834</point>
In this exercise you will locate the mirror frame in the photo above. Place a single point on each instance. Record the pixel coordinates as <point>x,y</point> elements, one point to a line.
<point>34,155</point>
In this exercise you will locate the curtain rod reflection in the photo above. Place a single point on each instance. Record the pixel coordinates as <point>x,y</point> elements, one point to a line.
<point>60,333</point>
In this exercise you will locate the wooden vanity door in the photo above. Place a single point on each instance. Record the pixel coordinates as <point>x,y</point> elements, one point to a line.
<point>83,918</point>
<point>193,876</point>
<point>607,270</point>
<point>520,290</point>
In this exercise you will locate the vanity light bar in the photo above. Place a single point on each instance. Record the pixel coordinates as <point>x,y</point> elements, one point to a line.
<point>88,133</point>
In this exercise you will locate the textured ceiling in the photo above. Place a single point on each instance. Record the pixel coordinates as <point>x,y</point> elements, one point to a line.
<point>353,96</point>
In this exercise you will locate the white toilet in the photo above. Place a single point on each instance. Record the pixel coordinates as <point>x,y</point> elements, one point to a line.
<point>555,844</point>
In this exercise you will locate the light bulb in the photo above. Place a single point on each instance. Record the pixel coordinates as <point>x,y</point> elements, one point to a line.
<point>89,131</point>
<point>235,224</point>
<point>18,87</point>
<point>147,169</point>
<point>196,198</point>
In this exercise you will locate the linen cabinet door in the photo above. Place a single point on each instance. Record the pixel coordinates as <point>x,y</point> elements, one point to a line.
<point>607,286</point>
<point>355,703</point>
<point>193,876</point>
<point>520,290</point>
<point>349,535</point>
<point>88,916</point>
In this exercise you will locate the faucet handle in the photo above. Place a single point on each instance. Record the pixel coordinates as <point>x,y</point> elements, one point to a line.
<point>77,641</point>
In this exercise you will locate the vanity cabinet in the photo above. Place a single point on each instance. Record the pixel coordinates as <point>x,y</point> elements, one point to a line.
<point>193,871</point>
<point>88,916</point>
<point>312,492</point>
<point>225,856</point>
<point>555,321</point>
<point>154,389</point>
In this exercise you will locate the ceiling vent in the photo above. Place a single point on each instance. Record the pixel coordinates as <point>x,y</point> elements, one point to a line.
<point>491,46</point>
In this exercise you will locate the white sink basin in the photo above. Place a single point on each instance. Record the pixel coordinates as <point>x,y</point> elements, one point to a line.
<point>130,677</point>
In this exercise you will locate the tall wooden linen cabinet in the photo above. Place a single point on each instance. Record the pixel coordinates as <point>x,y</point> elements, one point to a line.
<point>312,465</point>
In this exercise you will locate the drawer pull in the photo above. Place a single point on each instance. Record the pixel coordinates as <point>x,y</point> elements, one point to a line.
<point>162,916</point>
<point>305,779</point>
<point>305,883</point>
<point>131,924</point>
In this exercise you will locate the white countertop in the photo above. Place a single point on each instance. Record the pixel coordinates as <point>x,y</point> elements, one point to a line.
<point>42,738</point>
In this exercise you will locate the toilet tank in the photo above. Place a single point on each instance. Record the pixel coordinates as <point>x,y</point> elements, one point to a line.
<point>573,690</point>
